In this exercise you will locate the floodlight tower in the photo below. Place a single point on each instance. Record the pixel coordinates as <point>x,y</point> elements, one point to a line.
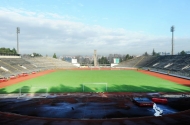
<point>172,30</point>
<point>18,31</point>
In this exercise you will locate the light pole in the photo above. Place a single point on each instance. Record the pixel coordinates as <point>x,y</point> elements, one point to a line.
<point>172,30</point>
<point>18,31</point>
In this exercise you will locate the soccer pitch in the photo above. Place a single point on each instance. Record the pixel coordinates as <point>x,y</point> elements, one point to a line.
<point>96,81</point>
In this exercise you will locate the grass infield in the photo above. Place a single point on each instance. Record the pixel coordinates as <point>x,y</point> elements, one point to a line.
<point>117,81</point>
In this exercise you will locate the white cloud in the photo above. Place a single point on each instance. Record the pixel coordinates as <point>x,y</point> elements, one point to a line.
<point>49,33</point>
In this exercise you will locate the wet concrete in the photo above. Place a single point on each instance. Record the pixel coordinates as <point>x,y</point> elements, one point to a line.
<point>115,104</point>
<point>83,107</point>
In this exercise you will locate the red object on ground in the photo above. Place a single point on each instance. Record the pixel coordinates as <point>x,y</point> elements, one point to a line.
<point>12,77</point>
<point>3,79</point>
<point>145,104</point>
<point>25,74</point>
<point>33,72</point>
<point>142,101</point>
<point>20,75</point>
<point>160,100</point>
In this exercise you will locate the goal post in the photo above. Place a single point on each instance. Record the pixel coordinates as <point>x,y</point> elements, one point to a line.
<point>96,85</point>
<point>33,92</point>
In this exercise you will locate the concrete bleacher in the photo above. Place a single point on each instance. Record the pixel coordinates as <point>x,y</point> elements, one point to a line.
<point>7,68</point>
<point>176,65</point>
<point>136,62</point>
<point>61,64</point>
<point>14,66</point>
<point>49,63</point>
<point>4,73</point>
<point>17,64</point>
<point>175,62</point>
<point>39,62</point>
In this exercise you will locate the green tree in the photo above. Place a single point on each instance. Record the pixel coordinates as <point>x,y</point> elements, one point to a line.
<point>182,52</point>
<point>92,63</point>
<point>14,51</point>
<point>153,53</point>
<point>37,55</point>
<point>3,50</point>
<point>120,59</point>
<point>145,54</point>
<point>127,57</point>
<point>157,54</point>
<point>103,60</point>
<point>8,51</point>
<point>54,55</point>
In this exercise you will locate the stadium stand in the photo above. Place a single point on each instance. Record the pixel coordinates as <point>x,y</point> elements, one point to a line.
<point>49,63</point>
<point>136,62</point>
<point>175,62</point>
<point>176,65</point>
<point>15,66</point>
<point>2,72</point>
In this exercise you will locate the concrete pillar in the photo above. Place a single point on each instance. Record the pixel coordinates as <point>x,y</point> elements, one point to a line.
<point>95,58</point>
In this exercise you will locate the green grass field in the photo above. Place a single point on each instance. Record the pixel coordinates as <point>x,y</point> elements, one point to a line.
<point>117,81</point>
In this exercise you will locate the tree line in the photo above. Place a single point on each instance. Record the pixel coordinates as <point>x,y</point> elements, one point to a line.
<point>7,51</point>
<point>158,54</point>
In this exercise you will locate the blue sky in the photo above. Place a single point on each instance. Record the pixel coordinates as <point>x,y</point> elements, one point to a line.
<point>77,27</point>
